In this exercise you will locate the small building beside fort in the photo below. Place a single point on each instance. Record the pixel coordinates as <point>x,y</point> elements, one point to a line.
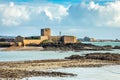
<point>68,39</point>
<point>45,36</point>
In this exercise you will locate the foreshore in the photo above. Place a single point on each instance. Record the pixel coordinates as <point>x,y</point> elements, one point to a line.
<point>22,69</point>
<point>33,48</point>
<point>60,47</point>
<point>25,48</point>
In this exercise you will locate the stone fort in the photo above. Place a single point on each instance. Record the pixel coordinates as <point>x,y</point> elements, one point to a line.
<point>45,36</point>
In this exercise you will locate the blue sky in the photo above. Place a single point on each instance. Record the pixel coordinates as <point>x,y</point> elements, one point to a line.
<point>94,18</point>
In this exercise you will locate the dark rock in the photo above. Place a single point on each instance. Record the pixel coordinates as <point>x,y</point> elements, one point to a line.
<point>103,56</point>
<point>116,47</point>
<point>97,56</point>
<point>74,57</point>
<point>73,46</point>
<point>107,47</point>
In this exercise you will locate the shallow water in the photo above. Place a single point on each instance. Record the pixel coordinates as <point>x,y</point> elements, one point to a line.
<point>104,43</point>
<point>101,73</point>
<point>97,73</point>
<point>41,55</point>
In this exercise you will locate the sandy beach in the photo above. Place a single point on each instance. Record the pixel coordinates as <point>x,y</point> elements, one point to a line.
<point>26,48</point>
<point>22,69</point>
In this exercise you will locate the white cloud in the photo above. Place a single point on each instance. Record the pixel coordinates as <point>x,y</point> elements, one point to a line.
<point>15,15</point>
<point>105,15</point>
<point>84,14</point>
<point>53,11</point>
<point>93,14</point>
<point>112,13</point>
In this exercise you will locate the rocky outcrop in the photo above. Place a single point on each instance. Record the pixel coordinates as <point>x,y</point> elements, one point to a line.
<point>75,57</point>
<point>97,56</point>
<point>22,69</point>
<point>103,56</point>
<point>73,46</point>
<point>116,47</point>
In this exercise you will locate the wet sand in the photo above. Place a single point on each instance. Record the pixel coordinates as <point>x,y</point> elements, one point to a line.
<point>30,48</point>
<point>22,69</point>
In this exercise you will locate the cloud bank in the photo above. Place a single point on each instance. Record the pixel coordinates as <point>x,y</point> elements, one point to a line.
<point>15,15</point>
<point>86,18</point>
<point>82,14</point>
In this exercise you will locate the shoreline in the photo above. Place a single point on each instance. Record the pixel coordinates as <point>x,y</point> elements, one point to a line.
<point>60,47</point>
<point>22,69</point>
<point>29,48</point>
<point>33,48</point>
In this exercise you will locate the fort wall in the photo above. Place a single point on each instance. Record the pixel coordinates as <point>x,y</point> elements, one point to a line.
<point>55,38</point>
<point>20,41</point>
<point>69,39</point>
<point>34,41</point>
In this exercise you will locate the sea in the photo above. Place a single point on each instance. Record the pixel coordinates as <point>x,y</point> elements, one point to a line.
<point>89,73</point>
<point>104,43</point>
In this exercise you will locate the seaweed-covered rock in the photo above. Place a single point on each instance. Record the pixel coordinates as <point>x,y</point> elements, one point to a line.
<point>103,56</point>
<point>116,47</point>
<point>73,46</point>
<point>97,56</point>
<point>74,57</point>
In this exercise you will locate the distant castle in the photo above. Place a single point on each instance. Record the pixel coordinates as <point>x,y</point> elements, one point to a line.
<point>45,36</point>
<point>46,32</point>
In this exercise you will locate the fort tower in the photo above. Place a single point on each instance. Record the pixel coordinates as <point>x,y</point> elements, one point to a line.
<point>46,32</point>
